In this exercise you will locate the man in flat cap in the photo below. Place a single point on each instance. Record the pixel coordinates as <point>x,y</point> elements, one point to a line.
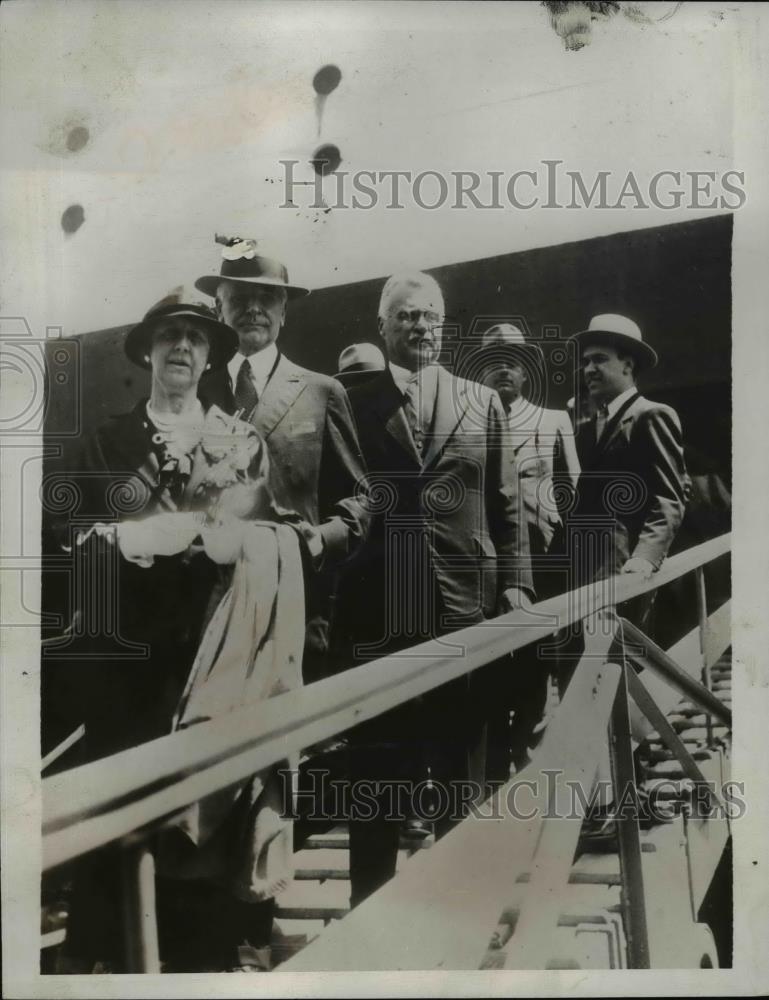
<point>303,416</point>
<point>545,457</point>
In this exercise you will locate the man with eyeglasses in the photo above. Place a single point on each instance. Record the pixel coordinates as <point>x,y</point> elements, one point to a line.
<point>446,550</point>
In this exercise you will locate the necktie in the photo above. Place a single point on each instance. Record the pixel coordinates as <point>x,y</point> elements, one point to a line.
<point>412,409</point>
<point>246,396</point>
<point>600,420</point>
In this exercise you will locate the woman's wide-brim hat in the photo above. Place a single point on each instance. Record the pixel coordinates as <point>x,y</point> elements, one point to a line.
<point>222,339</point>
<point>242,264</point>
<point>508,340</point>
<point>621,333</point>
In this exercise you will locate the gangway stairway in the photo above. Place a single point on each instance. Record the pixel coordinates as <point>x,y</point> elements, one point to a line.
<point>497,890</point>
<point>680,860</point>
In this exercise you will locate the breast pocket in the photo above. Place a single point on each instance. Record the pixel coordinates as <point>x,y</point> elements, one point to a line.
<point>301,429</point>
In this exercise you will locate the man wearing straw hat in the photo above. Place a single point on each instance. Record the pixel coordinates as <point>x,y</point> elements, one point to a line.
<point>303,416</point>
<point>631,495</point>
<point>632,456</point>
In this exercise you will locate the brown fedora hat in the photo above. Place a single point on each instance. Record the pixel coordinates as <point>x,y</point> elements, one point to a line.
<point>620,332</point>
<point>222,339</point>
<point>241,263</point>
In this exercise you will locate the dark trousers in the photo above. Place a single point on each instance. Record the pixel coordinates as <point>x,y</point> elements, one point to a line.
<point>517,684</point>
<point>200,925</point>
<point>514,684</point>
<point>411,762</point>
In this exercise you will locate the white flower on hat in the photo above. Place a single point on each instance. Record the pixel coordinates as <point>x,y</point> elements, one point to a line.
<point>241,250</point>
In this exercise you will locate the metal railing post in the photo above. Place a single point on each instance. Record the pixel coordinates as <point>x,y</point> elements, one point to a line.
<point>702,622</point>
<point>140,927</point>
<point>628,833</point>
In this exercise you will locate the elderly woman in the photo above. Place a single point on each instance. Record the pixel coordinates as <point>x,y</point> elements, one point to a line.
<point>209,586</point>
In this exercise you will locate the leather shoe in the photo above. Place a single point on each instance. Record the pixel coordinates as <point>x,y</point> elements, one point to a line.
<point>416,829</point>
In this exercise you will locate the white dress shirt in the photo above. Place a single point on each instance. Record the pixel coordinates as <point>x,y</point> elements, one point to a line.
<point>261,362</point>
<point>616,403</point>
<point>427,384</point>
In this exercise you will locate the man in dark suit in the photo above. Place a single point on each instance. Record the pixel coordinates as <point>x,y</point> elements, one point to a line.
<point>631,493</point>
<point>448,547</point>
<point>303,416</point>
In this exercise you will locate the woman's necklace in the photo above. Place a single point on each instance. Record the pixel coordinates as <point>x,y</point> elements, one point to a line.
<point>177,435</point>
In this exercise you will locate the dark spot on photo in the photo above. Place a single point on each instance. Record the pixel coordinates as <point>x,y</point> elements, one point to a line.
<point>326,159</point>
<point>326,79</point>
<point>72,218</point>
<point>77,138</point>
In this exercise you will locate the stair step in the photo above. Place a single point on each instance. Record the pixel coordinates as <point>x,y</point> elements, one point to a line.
<point>667,769</point>
<point>289,929</point>
<point>321,874</point>
<point>314,901</point>
<point>320,857</point>
<point>337,838</point>
<point>681,723</point>
<point>324,913</point>
<point>583,878</point>
<point>666,788</point>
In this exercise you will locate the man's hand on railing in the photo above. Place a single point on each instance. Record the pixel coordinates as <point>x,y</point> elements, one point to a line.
<point>640,566</point>
<point>513,599</point>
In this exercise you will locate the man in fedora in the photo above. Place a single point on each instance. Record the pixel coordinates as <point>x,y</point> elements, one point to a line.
<point>359,363</point>
<point>542,439</point>
<point>545,458</point>
<point>303,416</point>
<point>631,494</point>
<point>632,457</point>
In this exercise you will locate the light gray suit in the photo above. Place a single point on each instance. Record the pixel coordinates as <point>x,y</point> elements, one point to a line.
<point>306,421</point>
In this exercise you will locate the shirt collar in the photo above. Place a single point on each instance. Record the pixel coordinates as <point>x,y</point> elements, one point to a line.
<point>519,408</point>
<point>616,403</point>
<point>262,363</point>
<point>403,377</point>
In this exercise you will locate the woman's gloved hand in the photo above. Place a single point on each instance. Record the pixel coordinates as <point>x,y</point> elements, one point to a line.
<point>223,539</point>
<point>159,535</point>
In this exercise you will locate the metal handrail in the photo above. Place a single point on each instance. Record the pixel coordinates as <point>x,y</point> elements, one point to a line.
<point>90,806</point>
<point>487,857</point>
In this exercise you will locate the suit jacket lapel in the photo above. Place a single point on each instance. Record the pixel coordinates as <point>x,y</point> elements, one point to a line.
<point>450,407</point>
<point>281,392</point>
<point>524,425</point>
<point>215,389</point>
<point>398,427</point>
<point>612,428</point>
<point>131,450</point>
<point>386,401</point>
